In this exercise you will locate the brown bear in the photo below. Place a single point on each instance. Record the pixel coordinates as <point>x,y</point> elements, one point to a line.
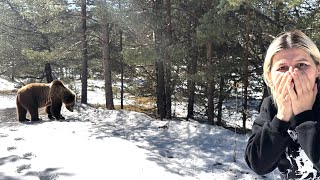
<point>37,95</point>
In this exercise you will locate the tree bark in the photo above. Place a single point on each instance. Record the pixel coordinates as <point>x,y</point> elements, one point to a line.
<point>13,70</point>
<point>191,98</point>
<point>220,101</point>
<point>84,74</point>
<point>48,72</point>
<point>159,64</point>
<point>122,74</point>
<point>211,83</point>
<point>168,90</point>
<point>161,97</point>
<point>168,80</point>
<point>121,64</point>
<point>191,70</point>
<point>107,65</point>
<point>246,73</point>
<point>245,93</point>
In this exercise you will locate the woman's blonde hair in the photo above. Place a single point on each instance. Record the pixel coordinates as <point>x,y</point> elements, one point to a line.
<point>287,40</point>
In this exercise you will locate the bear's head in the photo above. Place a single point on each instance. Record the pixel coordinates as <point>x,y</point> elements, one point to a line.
<point>69,100</point>
<point>64,94</point>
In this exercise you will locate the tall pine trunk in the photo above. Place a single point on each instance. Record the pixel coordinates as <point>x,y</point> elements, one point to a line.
<point>220,101</point>
<point>160,89</point>
<point>13,69</point>
<point>168,67</point>
<point>191,70</point>
<point>245,80</point>
<point>48,72</point>
<point>168,89</point>
<point>245,93</point>
<point>122,72</point>
<point>159,64</point>
<point>211,83</point>
<point>84,74</point>
<point>191,87</point>
<point>121,64</point>
<point>107,65</point>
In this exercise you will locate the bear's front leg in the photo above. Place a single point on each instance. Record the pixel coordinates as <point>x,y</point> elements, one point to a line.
<point>56,109</point>
<point>48,111</point>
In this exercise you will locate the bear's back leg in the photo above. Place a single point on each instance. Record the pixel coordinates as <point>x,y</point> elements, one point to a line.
<point>34,112</point>
<point>21,111</point>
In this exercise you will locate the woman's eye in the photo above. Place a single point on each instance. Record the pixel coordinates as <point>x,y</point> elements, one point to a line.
<point>283,68</point>
<point>301,65</point>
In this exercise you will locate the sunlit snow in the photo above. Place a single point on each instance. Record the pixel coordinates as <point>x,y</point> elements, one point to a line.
<point>117,144</point>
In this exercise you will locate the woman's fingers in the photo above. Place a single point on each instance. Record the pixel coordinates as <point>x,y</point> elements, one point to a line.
<point>277,83</point>
<point>281,83</point>
<point>302,83</point>
<point>291,91</point>
<point>305,92</point>
<point>297,81</point>
<point>307,85</point>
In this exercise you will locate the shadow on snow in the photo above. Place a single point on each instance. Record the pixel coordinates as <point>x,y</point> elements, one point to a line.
<point>187,151</point>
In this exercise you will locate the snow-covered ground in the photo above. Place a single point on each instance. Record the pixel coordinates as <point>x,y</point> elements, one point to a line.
<point>117,144</point>
<point>6,85</point>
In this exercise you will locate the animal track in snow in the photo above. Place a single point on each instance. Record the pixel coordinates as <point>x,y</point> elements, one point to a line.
<point>11,148</point>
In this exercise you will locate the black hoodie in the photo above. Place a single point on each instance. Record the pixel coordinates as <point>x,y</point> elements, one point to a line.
<point>292,147</point>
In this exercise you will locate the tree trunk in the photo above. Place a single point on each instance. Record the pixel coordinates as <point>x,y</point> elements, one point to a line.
<point>122,73</point>
<point>159,65</point>
<point>48,72</point>
<point>84,74</point>
<point>107,67</point>
<point>121,64</point>
<point>246,73</point>
<point>220,102</point>
<point>160,89</point>
<point>245,93</point>
<point>191,85</point>
<point>13,70</point>
<point>191,98</point>
<point>168,82</point>
<point>191,70</point>
<point>210,93</point>
<point>211,88</point>
<point>168,90</point>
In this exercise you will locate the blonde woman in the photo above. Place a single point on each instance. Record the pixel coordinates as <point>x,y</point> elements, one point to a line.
<point>287,133</point>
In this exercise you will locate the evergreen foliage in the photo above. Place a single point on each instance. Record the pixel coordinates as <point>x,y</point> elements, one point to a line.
<point>145,36</point>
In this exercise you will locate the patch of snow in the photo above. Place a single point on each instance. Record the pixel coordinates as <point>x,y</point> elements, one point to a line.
<point>117,144</point>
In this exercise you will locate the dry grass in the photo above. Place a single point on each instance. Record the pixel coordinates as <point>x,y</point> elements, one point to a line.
<point>8,91</point>
<point>138,109</point>
<point>141,104</point>
<point>145,100</point>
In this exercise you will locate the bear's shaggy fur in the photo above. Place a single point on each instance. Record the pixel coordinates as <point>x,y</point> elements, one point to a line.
<point>37,95</point>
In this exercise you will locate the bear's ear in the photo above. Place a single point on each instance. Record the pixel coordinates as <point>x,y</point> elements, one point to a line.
<point>57,82</point>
